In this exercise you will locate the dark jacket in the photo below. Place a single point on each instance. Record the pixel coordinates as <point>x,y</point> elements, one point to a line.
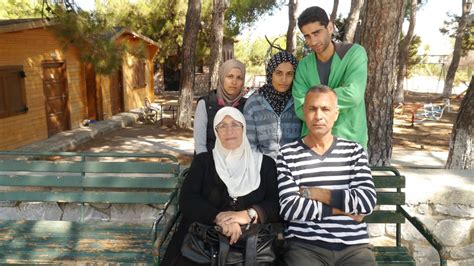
<point>203,195</point>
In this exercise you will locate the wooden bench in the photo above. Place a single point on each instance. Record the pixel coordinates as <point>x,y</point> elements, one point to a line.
<point>85,179</point>
<point>390,198</point>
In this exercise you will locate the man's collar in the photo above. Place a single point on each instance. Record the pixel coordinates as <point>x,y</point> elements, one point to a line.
<point>324,60</point>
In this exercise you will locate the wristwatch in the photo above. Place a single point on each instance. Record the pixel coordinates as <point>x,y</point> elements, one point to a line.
<point>306,193</point>
<point>252,213</point>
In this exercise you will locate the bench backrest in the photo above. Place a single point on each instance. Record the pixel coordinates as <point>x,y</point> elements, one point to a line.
<point>388,183</point>
<point>88,177</point>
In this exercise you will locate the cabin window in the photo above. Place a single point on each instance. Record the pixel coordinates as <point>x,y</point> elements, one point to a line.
<point>139,75</point>
<point>12,91</point>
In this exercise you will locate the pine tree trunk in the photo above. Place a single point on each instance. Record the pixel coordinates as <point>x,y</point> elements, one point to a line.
<point>403,54</point>
<point>379,35</point>
<point>291,33</point>
<point>453,67</point>
<point>191,28</point>
<point>334,11</point>
<point>352,20</point>
<point>460,147</point>
<point>219,7</point>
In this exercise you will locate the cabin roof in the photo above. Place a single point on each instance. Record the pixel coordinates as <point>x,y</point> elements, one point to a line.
<point>13,25</point>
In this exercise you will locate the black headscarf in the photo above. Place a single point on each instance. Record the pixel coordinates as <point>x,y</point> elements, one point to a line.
<point>276,99</point>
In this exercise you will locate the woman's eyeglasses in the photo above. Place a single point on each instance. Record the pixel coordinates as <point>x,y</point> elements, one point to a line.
<point>231,126</point>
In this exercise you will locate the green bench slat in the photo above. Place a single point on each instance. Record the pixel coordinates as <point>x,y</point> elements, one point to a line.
<point>92,232</point>
<point>87,196</point>
<point>131,167</point>
<point>86,242</point>
<point>86,155</point>
<point>390,198</point>
<point>393,256</point>
<point>51,241</point>
<point>385,217</point>
<point>41,166</point>
<point>389,181</point>
<point>49,256</point>
<point>71,225</point>
<point>89,167</point>
<point>390,250</point>
<point>159,181</point>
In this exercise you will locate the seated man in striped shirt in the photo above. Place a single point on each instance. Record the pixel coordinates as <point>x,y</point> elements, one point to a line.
<point>325,188</point>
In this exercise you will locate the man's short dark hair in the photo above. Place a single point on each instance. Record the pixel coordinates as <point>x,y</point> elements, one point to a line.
<point>321,89</point>
<point>311,15</point>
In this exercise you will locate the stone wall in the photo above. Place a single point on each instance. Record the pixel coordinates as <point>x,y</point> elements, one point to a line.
<point>444,201</point>
<point>129,213</point>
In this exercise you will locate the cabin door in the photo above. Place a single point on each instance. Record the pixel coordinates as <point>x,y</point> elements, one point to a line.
<point>56,96</point>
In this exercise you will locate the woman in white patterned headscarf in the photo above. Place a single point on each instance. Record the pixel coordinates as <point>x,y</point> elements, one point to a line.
<point>270,115</point>
<point>230,186</point>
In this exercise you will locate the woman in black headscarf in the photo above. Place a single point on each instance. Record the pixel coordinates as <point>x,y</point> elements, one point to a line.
<point>270,114</point>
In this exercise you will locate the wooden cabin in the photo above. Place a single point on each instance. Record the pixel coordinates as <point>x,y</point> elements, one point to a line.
<point>45,89</point>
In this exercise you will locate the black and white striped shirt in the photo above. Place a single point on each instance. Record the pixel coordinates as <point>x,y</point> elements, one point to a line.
<point>344,170</point>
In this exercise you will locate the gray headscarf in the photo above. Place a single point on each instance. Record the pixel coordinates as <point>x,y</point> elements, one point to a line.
<point>222,95</point>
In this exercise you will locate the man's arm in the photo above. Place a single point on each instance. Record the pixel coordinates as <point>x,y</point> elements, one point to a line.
<point>360,198</point>
<point>324,195</point>
<point>351,91</point>
<point>292,205</point>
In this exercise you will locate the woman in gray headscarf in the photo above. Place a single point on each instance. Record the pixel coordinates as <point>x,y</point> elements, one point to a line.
<point>230,186</point>
<point>229,92</point>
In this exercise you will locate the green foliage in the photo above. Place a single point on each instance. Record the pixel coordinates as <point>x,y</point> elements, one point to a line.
<point>340,24</point>
<point>438,71</point>
<point>252,53</point>
<point>413,58</point>
<point>91,34</point>
<point>242,13</point>
<point>302,49</point>
<point>162,21</point>
<point>13,9</point>
<point>450,29</point>
<point>203,49</point>
<point>419,6</point>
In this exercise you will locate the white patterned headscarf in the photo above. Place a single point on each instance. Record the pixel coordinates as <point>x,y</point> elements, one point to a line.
<point>239,169</point>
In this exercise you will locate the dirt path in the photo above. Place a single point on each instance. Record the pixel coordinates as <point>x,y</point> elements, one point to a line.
<point>428,135</point>
<point>143,138</point>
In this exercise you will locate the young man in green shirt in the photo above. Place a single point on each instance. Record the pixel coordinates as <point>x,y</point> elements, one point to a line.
<point>341,66</point>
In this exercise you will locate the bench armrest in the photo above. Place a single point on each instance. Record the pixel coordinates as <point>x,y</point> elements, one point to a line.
<point>159,236</point>
<point>162,235</point>
<point>434,241</point>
